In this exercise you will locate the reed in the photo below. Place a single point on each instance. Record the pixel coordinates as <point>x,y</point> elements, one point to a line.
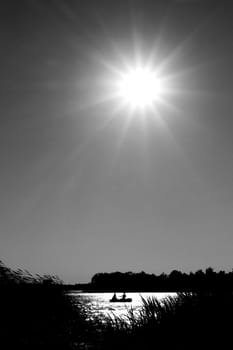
<point>187,321</point>
<point>36,313</point>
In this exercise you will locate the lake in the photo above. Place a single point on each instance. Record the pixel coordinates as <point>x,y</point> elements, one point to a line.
<point>99,303</point>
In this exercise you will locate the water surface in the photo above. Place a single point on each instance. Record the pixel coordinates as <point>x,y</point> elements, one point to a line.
<point>99,303</point>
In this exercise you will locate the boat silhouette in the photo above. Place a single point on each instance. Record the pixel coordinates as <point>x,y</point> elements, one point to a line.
<point>123,299</point>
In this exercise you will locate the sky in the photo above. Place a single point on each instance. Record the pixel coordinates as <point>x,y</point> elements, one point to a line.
<point>88,185</point>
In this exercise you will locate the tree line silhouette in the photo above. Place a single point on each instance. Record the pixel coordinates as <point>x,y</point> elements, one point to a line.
<point>174,281</point>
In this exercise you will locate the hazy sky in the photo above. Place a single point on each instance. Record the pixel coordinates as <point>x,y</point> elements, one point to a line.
<point>83,190</point>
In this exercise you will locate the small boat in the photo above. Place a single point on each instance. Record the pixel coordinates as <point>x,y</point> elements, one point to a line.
<point>121,300</point>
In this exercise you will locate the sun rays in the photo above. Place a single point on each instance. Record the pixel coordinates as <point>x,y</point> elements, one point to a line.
<point>135,82</point>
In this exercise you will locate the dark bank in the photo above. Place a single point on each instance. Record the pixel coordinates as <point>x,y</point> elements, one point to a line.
<point>176,281</point>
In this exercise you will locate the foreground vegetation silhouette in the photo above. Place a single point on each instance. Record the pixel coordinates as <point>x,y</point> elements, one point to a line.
<point>36,313</point>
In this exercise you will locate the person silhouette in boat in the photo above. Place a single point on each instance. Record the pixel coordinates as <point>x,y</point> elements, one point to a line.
<point>114,297</point>
<point>123,296</point>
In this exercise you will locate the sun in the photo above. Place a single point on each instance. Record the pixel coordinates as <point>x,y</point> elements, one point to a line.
<point>139,87</point>
<point>135,88</point>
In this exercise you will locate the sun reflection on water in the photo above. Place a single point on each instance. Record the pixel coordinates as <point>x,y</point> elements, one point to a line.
<point>99,303</point>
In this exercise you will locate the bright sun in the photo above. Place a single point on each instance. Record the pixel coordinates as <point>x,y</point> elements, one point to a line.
<point>139,87</point>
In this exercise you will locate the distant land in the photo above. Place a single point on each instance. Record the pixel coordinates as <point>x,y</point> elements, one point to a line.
<point>176,281</point>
